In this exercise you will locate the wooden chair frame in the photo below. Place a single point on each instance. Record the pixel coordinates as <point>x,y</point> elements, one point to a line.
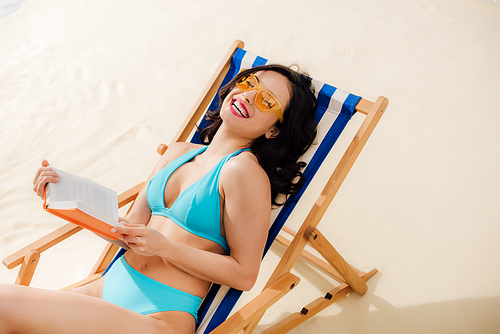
<point>281,281</point>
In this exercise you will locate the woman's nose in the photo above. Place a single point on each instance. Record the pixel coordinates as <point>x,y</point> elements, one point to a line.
<point>249,96</point>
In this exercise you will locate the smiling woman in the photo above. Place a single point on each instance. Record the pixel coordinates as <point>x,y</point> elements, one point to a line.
<point>96,85</point>
<point>203,217</point>
<point>291,137</point>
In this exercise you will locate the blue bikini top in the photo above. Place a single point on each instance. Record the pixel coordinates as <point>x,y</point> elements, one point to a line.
<point>197,208</point>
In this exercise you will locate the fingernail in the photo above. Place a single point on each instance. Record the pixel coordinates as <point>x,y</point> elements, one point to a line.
<point>113,230</point>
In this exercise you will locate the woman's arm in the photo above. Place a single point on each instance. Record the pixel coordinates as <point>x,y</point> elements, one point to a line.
<point>247,212</point>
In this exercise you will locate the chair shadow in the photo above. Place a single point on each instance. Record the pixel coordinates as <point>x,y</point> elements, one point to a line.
<point>372,314</point>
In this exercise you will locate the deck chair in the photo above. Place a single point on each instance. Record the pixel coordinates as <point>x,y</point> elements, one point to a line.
<point>335,109</point>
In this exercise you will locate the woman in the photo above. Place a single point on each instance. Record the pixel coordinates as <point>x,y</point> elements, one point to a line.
<point>203,217</point>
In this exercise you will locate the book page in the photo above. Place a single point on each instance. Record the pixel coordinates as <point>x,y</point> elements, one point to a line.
<point>96,197</point>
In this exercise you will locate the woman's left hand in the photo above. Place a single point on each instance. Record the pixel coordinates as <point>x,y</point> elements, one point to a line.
<point>141,239</point>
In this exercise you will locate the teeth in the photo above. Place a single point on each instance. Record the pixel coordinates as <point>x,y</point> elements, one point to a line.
<point>240,109</point>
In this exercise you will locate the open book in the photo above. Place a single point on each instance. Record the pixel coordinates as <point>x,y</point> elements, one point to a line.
<point>83,202</point>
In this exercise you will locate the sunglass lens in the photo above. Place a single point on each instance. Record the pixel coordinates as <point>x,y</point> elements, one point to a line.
<point>247,83</point>
<point>266,101</point>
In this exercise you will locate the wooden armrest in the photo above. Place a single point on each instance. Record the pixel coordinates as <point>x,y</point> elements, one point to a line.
<point>257,306</point>
<point>162,148</point>
<point>129,195</point>
<point>62,233</point>
<point>41,244</point>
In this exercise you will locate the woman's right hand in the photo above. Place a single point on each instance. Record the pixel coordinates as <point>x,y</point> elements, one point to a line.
<point>44,175</point>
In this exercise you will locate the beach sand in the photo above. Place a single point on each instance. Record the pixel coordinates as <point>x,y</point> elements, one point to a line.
<point>96,86</point>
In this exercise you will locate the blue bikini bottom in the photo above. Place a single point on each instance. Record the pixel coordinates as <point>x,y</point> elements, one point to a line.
<point>126,287</point>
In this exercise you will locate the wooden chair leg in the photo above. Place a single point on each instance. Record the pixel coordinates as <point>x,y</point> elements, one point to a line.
<point>252,325</point>
<point>28,267</point>
<point>83,282</point>
<point>105,259</point>
<point>313,259</point>
<point>315,306</point>
<point>330,254</point>
<point>246,319</point>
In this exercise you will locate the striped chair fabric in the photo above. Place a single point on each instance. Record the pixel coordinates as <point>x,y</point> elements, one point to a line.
<point>335,109</point>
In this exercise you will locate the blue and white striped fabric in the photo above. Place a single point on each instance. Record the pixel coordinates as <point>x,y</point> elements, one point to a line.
<point>335,109</point>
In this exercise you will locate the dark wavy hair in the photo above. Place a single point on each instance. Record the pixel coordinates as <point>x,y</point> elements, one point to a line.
<point>279,156</point>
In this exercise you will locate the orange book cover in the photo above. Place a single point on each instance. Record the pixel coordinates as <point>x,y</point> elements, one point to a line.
<point>83,202</point>
<point>80,218</point>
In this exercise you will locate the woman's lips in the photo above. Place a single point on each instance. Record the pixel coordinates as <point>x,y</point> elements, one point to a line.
<point>239,109</point>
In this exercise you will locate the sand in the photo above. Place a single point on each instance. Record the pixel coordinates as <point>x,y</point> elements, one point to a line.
<point>96,86</point>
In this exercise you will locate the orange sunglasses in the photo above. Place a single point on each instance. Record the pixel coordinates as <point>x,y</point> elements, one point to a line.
<point>264,99</point>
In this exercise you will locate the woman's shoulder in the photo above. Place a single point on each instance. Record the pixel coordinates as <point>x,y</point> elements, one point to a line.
<point>243,177</point>
<point>245,165</point>
<point>244,158</point>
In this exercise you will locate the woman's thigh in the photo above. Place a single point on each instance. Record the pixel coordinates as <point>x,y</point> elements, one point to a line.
<point>31,310</point>
<point>176,319</point>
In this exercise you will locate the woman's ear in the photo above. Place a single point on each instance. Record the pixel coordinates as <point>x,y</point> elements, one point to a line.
<point>273,132</point>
